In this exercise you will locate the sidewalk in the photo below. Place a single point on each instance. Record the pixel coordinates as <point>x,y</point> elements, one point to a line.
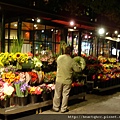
<point>94,104</point>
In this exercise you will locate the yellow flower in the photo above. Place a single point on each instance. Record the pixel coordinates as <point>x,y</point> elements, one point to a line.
<point>8,74</point>
<point>11,80</point>
<point>10,57</point>
<point>32,89</point>
<point>1,64</point>
<point>14,57</point>
<point>3,75</point>
<point>18,55</point>
<point>12,76</point>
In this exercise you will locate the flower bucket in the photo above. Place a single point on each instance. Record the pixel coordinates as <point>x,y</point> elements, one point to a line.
<point>5,103</point>
<point>33,98</point>
<point>52,94</point>
<point>45,96</point>
<point>13,101</point>
<point>22,101</point>
<point>72,91</point>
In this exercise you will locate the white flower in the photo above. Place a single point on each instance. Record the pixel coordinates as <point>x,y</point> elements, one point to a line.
<point>35,59</point>
<point>38,64</point>
<point>8,90</point>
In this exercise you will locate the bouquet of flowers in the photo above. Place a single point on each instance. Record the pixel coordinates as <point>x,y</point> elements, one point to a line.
<point>13,59</point>
<point>51,86</point>
<point>37,63</point>
<point>21,86</point>
<point>9,74</point>
<point>34,77</point>
<point>6,90</point>
<point>45,88</point>
<point>49,77</point>
<point>35,90</point>
<point>5,59</point>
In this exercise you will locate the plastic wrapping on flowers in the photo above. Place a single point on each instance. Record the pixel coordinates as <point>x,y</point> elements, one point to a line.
<point>21,86</point>
<point>82,63</point>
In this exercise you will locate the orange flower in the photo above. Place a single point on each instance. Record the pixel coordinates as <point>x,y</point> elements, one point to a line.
<point>17,77</point>
<point>12,76</point>
<point>11,80</point>
<point>8,74</point>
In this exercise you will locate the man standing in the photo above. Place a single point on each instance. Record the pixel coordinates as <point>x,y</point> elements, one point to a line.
<point>65,67</point>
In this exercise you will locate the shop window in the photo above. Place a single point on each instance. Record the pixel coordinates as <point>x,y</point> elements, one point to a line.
<point>26,35</point>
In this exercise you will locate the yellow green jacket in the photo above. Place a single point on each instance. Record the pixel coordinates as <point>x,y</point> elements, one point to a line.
<point>65,67</point>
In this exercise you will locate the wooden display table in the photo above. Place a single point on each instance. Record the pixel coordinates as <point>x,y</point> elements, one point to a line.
<point>36,106</point>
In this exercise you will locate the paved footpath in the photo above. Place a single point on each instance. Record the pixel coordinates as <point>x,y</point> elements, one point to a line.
<point>94,104</point>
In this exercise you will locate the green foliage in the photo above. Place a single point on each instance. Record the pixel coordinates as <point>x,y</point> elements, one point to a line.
<point>16,46</point>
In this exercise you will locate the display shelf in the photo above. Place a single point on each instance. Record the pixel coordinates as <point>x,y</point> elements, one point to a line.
<point>36,106</point>
<point>107,88</point>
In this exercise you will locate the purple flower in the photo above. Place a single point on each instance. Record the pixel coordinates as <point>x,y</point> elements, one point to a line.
<point>24,87</point>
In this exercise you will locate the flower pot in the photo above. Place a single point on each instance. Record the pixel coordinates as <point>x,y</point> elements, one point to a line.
<point>13,101</point>
<point>52,94</point>
<point>45,96</point>
<point>72,91</point>
<point>5,103</point>
<point>33,99</point>
<point>22,101</point>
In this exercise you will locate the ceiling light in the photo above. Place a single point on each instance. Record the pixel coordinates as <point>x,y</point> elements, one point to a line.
<point>101,31</point>
<point>35,25</point>
<point>107,33</point>
<point>75,27</point>
<point>15,25</point>
<point>42,31</point>
<point>72,23</point>
<point>33,20</point>
<point>119,35</point>
<point>116,32</point>
<point>51,29</point>
<point>38,20</point>
<point>86,36</point>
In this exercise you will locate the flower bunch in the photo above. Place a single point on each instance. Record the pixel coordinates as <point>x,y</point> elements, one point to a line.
<point>6,90</point>
<point>21,57</point>
<point>34,77</point>
<point>37,62</point>
<point>75,84</point>
<point>21,86</point>
<point>91,60</point>
<point>10,58</point>
<point>5,59</point>
<point>51,86</point>
<point>50,76</point>
<point>35,90</point>
<point>10,77</point>
<point>45,88</point>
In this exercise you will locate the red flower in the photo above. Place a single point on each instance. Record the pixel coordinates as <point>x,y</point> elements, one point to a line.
<point>34,76</point>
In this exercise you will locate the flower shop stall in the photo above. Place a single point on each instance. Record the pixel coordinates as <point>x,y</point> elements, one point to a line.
<point>103,73</point>
<point>29,81</point>
<point>109,77</point>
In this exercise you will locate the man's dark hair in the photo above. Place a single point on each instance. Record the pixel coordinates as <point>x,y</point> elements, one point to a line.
<point>68,50</point>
